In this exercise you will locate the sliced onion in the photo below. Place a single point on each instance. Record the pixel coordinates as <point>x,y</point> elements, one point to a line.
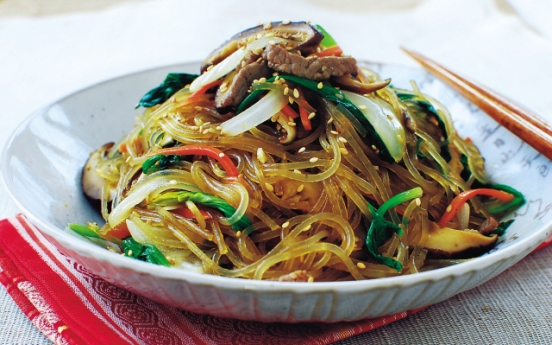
<point>382,117</point>
<point>231,62</point>
<point>258,113</point>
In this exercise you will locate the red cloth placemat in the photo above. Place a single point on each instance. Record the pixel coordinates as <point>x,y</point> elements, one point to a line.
<point>73,306</point>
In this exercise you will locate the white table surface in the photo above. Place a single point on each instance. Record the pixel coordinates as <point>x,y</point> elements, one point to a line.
<point>49,48</point>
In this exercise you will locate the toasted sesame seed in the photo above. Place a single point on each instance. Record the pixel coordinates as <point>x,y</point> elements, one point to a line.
<point>297,171</point>
<point>449,208</point>
<point>362,106</point>
<point>269,187</point>
<point>313,160</point>
<point>301,150</point>
<point>243,63</point>
<point>286,22</point>
<point>238,233</point>
<point>374,147</point>
<point>291,100</point>
<point>340,96</point>
<point>334,132</point>
<point>418,202</point>
<point>62,328</point>
<point>343,140</point>
<point>343,151</point>
<point>320,85</point>
<point>198,108</point>
<point>129,252</point>
<point>261,156</point>
<point>361,265</point>
<point>218,128</point>
<point>262,80</point>
<point>210,67</point>
<point>306,228</point>
<point>195,128</point>
<point>221,154</point>
<point>292,124</point>
<point>275,74</point>
<point>295,93</point>
<point>310,280</point>
<point>268,26</point>
<point>330,120</point>
<point>173,182</point>
<point>312,115</point>
<point>286,90</point>
<point>285,225</point>
<point>300,188</point>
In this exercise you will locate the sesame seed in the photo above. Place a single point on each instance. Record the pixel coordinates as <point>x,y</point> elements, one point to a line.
<point>307,227</point>
<point>343,140</point>
<point>334,132</point>
<point>218,128</point>
<point>262,80</point>
<point>243,63</point>
<point>261,156</point>
<point>238,233</point>
<point>418,202</point>
<point>363,107</point>
<point>301,150</point>
<point>343,151</point>
<point>194,128</point>
<point>340,96</point>
<point>311,115</point>
<point>286,22</point>
<point>129,252</point>
<point>320,85</point>
<point>285,225</point>
<point>374,147</point>
<point>210,67</point>
<point>449,208</point>
<point>286,90</point>
<point>310,280</point>
<point>198,108</point>
<point>297,171</point>
<point>300,188</point>
<point>291,100</point>
<point>62,328</point>
<point>268,26</point>
<point>313,160</point>
<point>221,154</point>
<point>205,131</point>
<point>361,265</point>
<point>173,182</point>
<point>275,74</point>
<point>295,93</point>
<point>269,187</point>
<point>292,124</point>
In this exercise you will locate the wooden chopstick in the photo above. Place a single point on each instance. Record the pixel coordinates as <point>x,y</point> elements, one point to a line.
<point>528,127</point>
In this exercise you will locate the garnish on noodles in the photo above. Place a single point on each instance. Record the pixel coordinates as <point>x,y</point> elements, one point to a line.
<point>282,159</point>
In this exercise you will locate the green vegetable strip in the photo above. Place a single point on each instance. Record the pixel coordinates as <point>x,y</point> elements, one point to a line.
<point>253,96</point>
<point>328,41</point>
<point>501,228</point>
<point>204,199</point>
<point>144,252</point>
<point>518,200</point>
<point>381,229</point>
<point>83,230</point>
<point>172,83</point>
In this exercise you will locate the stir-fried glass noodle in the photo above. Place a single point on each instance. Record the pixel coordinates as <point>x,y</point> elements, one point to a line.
<point>286,161</point>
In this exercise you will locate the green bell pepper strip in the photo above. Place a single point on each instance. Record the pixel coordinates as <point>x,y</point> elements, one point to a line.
<point>83,230</point>
<point>144,252</point>
<point>173,198</point>
<point>381,229</point>
<point>328,41</point>
<point>172,83</point>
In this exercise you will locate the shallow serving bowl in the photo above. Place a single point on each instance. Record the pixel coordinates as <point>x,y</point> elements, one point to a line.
<point>42,169</point>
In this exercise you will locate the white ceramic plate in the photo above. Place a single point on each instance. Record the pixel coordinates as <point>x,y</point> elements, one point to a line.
<point>42,168</point>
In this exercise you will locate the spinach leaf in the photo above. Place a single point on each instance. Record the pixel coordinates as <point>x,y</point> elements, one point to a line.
<point>144,252</point>
<point>172,83</point>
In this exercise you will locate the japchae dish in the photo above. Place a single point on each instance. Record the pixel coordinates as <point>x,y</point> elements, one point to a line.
<point>284,160</point>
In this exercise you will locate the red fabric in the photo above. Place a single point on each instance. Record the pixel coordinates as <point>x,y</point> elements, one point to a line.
<point>73,306</point>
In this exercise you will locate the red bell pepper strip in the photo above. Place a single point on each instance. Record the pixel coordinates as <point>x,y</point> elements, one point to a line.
<point>289,112</point>
<point>199,150</point>
<point>186,213</point>
<point>461,198</point>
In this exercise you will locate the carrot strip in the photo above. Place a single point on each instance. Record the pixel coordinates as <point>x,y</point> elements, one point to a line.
<point>289,112</point>
<point>332,51</point>
<point>461,199</point>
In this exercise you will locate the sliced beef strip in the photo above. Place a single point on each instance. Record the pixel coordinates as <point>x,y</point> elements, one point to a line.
<point>233,94</point>
<point>321,68</point>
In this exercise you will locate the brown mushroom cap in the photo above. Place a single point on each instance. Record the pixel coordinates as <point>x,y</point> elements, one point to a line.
<point>309,36</point>
<point>458,244</point>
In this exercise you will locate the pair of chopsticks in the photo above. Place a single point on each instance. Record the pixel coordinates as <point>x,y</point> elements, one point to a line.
<point>528,127</point>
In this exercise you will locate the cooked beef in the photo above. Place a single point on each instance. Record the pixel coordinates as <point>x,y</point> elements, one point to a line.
<point>316,68</point>
<point>230,95</point>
